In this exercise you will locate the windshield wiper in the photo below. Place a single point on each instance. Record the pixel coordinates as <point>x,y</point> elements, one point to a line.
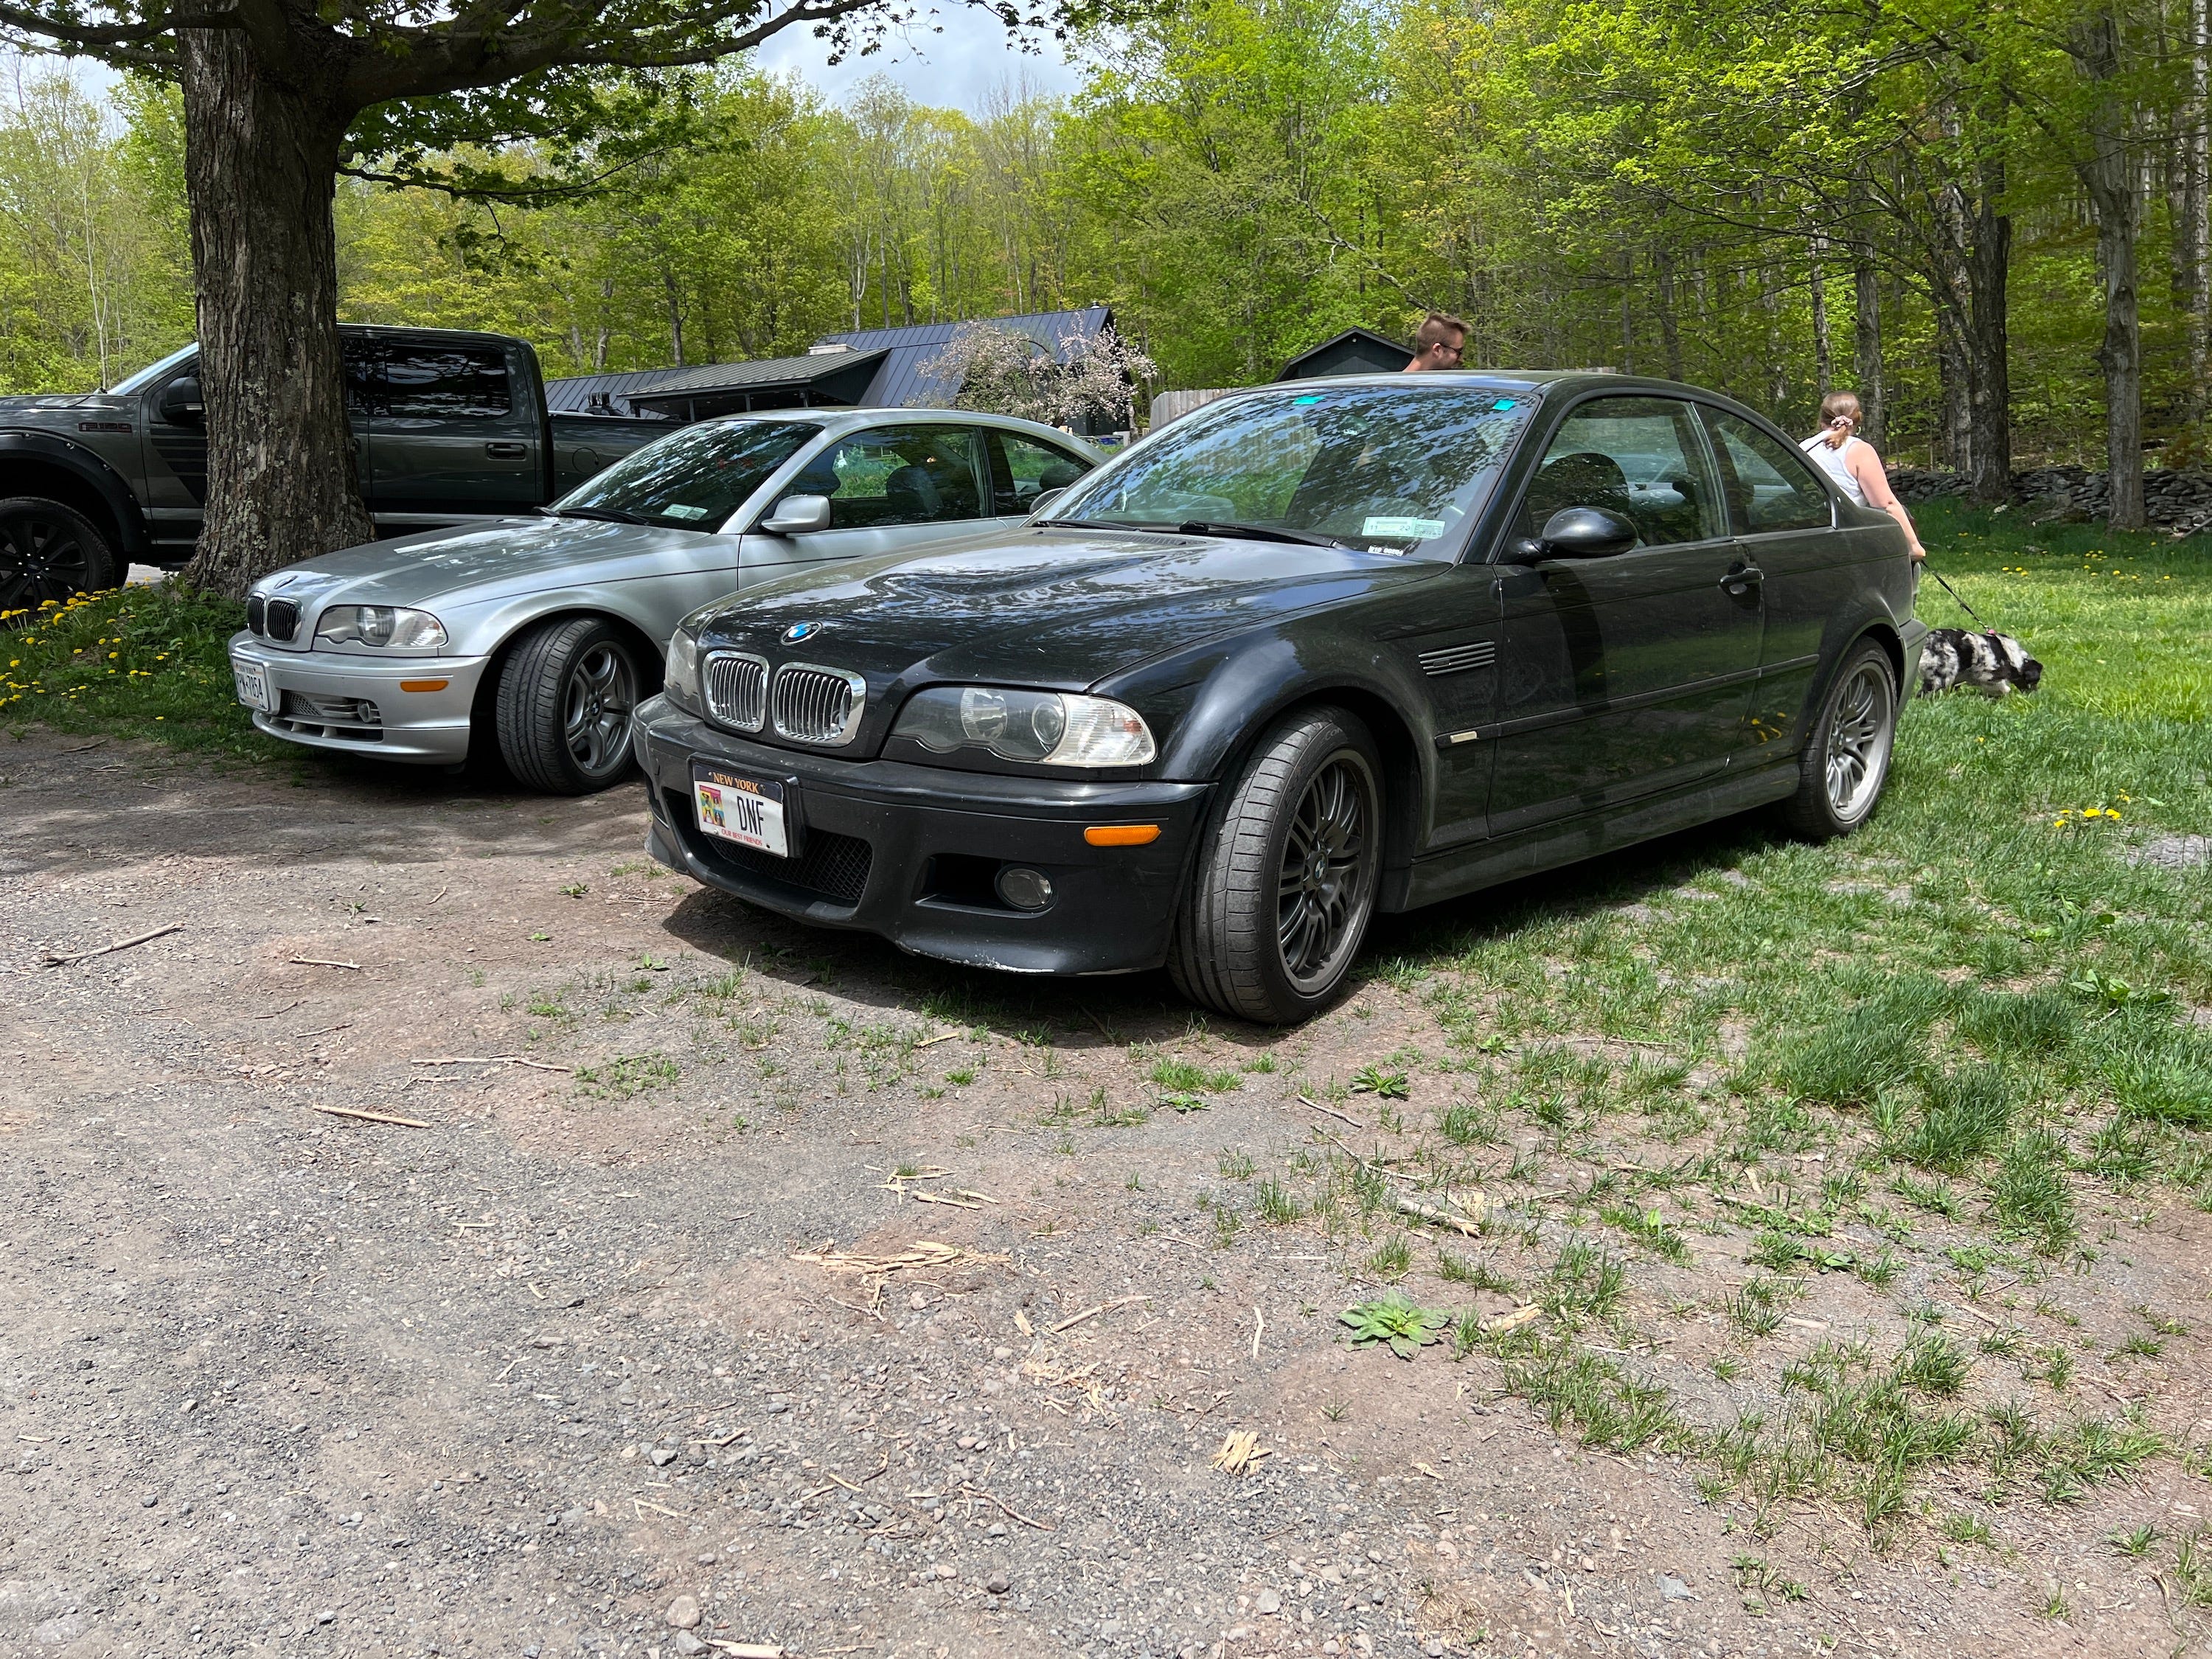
<point>606,514</point>
<point>1255,532</point>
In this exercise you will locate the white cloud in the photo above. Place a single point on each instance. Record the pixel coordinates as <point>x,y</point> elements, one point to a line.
<point>950,59</point>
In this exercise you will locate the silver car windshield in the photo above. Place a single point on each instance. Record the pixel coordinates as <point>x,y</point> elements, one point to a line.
<point>1392,468</point>
<point>691,480</point>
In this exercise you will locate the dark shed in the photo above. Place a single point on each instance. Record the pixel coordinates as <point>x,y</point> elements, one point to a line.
<point>1355,351</point>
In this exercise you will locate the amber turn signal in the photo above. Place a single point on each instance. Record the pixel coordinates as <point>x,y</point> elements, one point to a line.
<point>1122,835</point>
<point>422,685</point>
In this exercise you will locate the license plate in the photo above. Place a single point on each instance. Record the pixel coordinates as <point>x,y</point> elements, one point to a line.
<point>253,687</point>
<point>747,811</point>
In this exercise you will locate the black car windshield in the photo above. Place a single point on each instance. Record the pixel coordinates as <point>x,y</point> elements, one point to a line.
<point>691,480</point>
<point>1386,468</point>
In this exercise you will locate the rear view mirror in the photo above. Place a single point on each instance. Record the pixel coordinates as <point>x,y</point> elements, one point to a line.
<point>798,515</point>
<point>1587,532</point>
<point>181,404</point>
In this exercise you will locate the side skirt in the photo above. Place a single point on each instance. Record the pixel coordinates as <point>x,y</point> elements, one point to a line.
<point>1462,870</point>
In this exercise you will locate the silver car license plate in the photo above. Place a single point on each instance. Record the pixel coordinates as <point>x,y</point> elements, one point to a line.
<point>253,687</point>
<point>747,811</point>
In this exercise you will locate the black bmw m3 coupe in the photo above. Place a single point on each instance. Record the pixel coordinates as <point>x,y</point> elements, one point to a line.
<point>1310,652</point>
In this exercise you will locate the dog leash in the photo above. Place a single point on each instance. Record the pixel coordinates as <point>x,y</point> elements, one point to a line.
<point>1961,604</point>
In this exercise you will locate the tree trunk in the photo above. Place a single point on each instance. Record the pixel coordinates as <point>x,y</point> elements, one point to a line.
<point>1670,328</point>
<point>1953,449</point>
<point>1866,347</point>
<point>1824,369</point>
<point>261,153</point>
<point>1987,340</point>
<point>2189,181</point>
<point>1627,314</point>
<point>2108,174</point>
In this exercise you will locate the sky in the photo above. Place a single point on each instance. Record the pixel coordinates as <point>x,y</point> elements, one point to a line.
<point>956,68</point>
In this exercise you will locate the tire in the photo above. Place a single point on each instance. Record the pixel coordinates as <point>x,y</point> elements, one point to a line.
<point>567,693</point>
<point>1243,944</point>
<point>49,551</point>
<point>1846,761</point>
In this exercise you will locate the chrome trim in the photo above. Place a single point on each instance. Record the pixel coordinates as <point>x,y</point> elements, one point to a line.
<point>1459,659</point>
<point>812,703</point>
<point>735,698</point>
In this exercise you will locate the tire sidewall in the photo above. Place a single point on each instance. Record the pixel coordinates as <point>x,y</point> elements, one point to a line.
<point>1323,735</point>
<point>532,740</point>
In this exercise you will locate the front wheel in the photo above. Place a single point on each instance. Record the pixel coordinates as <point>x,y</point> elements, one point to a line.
<point>566,694</point>
<point>1846,761</point>
<point>1285,881</point>
<point>49,553</point>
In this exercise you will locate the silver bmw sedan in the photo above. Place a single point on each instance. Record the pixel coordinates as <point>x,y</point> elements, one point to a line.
<point>543,634</point>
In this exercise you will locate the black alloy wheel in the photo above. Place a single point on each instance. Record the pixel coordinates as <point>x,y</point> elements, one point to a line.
<point>1287,875</point>
<point>569,692</point>
<point>49,553</point>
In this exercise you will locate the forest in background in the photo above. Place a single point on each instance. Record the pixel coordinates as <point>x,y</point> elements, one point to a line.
<point>1758,199</point>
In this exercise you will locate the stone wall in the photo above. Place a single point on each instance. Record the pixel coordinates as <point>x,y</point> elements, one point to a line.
<point>2180,503</point>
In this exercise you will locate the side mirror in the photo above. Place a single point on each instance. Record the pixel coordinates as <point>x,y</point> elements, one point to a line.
<point>797,515</point>
<point>181,404</point>
<point>1587,532</point>
<point>1046,498</point>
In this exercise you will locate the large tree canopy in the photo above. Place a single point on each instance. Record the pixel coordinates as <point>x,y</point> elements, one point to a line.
<point>281,95</point>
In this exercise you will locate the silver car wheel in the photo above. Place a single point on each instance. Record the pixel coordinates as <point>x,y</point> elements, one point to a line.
<point>599,699</point>
<point>1859,735</point>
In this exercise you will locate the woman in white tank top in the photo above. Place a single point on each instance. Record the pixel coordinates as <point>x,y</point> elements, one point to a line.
<point>1850,460</point>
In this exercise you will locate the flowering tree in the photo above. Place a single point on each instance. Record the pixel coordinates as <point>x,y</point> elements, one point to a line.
<point>1000,372</point>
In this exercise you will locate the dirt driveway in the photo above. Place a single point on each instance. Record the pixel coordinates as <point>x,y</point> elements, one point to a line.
<point>735,1284</point>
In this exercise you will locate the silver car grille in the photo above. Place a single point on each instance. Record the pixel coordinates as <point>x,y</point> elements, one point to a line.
<point>737,690</point>
<point>813,704</point>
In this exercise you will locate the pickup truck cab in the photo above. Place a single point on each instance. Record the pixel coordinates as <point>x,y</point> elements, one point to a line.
<point>449,427</point>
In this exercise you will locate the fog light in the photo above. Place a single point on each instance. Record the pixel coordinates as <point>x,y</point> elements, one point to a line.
<point>1024,889</point>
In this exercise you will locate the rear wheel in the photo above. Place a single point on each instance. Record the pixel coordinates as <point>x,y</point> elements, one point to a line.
<point>1846,763</point>
<point>566,694</point>
<point>1285,882</point>
<point>50,552</point>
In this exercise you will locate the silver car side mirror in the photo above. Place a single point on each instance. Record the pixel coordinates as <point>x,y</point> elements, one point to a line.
<point>798,515</point>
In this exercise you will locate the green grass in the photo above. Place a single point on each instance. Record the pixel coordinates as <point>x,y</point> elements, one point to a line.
<point>135,662</point>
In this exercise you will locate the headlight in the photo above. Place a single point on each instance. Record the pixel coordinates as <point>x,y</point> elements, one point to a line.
<point>679,675</point>
<point>388,627</point>
<point>1047,727</point>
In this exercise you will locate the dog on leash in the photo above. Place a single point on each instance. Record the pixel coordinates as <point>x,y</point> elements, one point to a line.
<point>1993,663</point>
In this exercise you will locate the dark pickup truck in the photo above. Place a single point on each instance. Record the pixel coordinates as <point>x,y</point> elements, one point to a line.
<point>449,427</point>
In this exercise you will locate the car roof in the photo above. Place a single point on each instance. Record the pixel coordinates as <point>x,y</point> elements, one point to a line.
<point>847,420</point>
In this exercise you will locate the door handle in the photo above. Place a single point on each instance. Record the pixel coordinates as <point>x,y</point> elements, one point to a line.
<point>507,451</point>
<point>1738,582</point>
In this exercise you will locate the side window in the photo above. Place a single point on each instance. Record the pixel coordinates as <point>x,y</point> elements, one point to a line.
<point>1770,485</point>
<point>441,382</point>
<point>897,475</point>
<point>1022,468</point>
<point>360,357</point>
<point>1639,457</point>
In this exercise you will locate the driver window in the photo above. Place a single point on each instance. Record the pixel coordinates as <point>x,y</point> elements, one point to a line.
<point>896,476</point>
<point>1639,456</point>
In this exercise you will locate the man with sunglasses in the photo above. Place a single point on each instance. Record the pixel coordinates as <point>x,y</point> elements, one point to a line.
<point>1439,344</point>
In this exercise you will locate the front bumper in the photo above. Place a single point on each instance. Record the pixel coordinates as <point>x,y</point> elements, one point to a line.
<point>909,853</point>
<point>329,699</point>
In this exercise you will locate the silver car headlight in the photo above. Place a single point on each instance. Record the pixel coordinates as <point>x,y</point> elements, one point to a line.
<point>1050,728</point>
<point>395,629</point>
<point>679,674</point>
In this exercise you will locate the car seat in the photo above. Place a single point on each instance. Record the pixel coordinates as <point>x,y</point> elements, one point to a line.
<point>912,494</point>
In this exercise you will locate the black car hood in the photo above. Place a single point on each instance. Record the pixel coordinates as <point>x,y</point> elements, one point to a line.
<point>1058,609</point>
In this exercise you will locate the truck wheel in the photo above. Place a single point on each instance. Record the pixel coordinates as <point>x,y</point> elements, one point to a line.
<point>1846,761</point>
<point>567,693</point>
<point>49,551</point>
<point>1286,875</point>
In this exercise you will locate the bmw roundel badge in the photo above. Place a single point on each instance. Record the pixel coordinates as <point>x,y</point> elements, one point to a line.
<point>801,631</point>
